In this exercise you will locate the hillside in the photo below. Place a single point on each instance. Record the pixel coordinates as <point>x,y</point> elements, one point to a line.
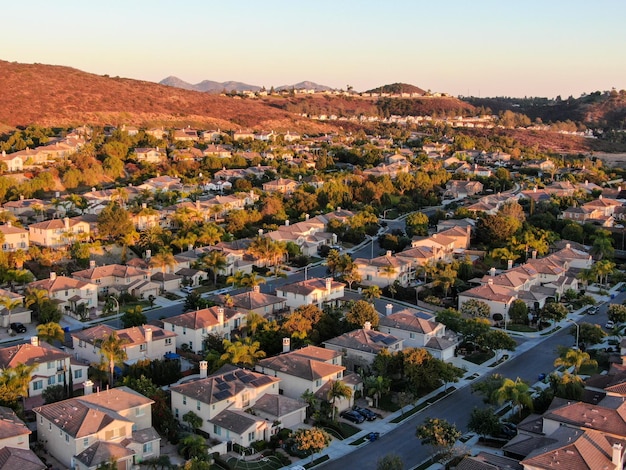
<point>397,88</point>
<point>208,86</point>
<point>51,95</point>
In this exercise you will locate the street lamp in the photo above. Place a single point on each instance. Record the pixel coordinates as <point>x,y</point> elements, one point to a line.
<point>577,330</point>
<point>117,310</point>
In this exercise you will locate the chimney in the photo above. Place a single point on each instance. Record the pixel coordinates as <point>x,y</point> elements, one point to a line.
<point>287,223</point>
<point>306,216</point>
<point>286,345</point>
<point>256,289</point>
<point>93,189</point>
<point>21,197</point>
<point>53,275</point>
<point>388,254</point>
<point>329,284</point>
<point>534,254</point>
<point>338,209</point>
<point>148,254</point>
<point>34,340</point>
<point>66,223</point>
<point>490,282</point>
<point>92,263</point>
<point>57,194</point>
<point>9,223</point>
<point>190,247</point>
<point>509,264</point>
<point>204,368</point>
<point>600,197</point>
<point>617,456</point>
<point>568,246</point>
<point>260,232</point>
<point>388,309</point>
<point>535,189</point>
<point>367,325</point>
<point>492,272</point>
<point>220,316</point>
<point>148,334</point>
<point>88,387</point>
<point>144,205</point>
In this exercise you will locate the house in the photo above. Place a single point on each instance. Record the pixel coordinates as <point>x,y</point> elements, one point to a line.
<point>17,314</point>
<point>149,155</point>
<point>12,162</point>
<point>255,301</point>
<point>52,365</point>
<point>84,432</point>
<point>14,238</point>
<point>418,332</point>
<point>361,346</point>
<point>186,135</point>
<point>117,278</point>
<point>498,298</point>
<point>221,399</point>
<point>192,327</point>
<point>24,459</point>
<point>314,291</point>
<point>383,271</point>
<point>57,233</point>
<point>462,189</point>
<point>69,294</point>
<point>281,185</point>
<point>13,432</point>
<point>311,369</point>
<point>25,209</point>
<point>309,235</point>
<point>140,343</point>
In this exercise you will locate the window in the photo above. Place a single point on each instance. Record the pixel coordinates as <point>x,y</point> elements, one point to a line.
<point>147,448</point>
<point>217,430</point>
<point>51,365</point>
<point>318,383</point>
<point>78,374</point>
<point>60,378</point>
<point>139,411</point>
<point>184,330</point>
<point>67,437</point>
<point>184,400</point>
<point>412,335</point>
<point>37,385</point>
<point>191,345</point>
<point>51,380</point>
<point>142,347</point>
<point>168,340</point>
<point>176,412</point>
<point>49,426</point>
<point>86,442</point>
<point>245,399</point>
<point>41,420</point>
<point>198,405</point>
<point>251,436</point>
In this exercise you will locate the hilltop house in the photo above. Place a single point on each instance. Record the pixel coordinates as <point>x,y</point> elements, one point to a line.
<point>14,238</point>
<point>57,233</point>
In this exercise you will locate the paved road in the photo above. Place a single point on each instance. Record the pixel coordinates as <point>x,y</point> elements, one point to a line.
<point>456,407</point>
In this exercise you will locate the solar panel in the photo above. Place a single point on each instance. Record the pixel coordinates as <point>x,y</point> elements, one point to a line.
<point>219,380</point>
<point>240,373</point>
<point>389,340</point>
<point>229,377</point>
<point>223,386</point>
<point>247,378</point>
<point>223,395</point>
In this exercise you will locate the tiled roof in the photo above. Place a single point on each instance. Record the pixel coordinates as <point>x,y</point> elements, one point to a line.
<point>28,354</point>
<point>278,405</point>
<point>115,270</point>
<point>309,286</point>
<point>204,318</point>
<point>300,366</point>
<point>591,416</point>
<point>12,458</point>
<point>252,300</point>
<point>369,341</point>
<point>317,353</point>
<point>103,451</point>
<point>10,424</point>
<point>133,336</point>
<point>59,283</point>
<point>235,421</point>
<point>491,292</point>
<point>409,322</point>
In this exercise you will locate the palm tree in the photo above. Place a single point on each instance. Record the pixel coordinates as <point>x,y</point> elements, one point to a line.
<point>50,332</point>
<point>210,234</point>
<point>236,279</point>
<point>162,462</point>
<point>337,389</point>
<point>586,276</point>
<point>377,387</point>
<point>113,351</point>
<point>602,269</point>
<point>446,278</point>
<point>351,274</point>
<point>163,259</point>
<point>262,249</point>
<point>517,392</point>
<point>254,321</point>
<point>18,257</point>
<point>602,245</point>
<point>252,280</point>
<point>9,304</point>
<point>128,239</point>
<point>192,446</point>
<point>388,271</point>
<point>37,298</point>
<point>243,353</point>
<point>574,358</point>
<point>120,195</point>
<point>14,382</point>
<point>216,261</point>
<point>372,292</point>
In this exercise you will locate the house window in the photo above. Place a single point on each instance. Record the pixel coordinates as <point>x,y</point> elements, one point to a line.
<point>41,420</point>
<point>86,442</point>
<point>173,327</point>
<point>147,448</point>
<point>50,365</point>
<point>67,437</point>
<point>60,378</point>
<point>49,426</point>
<point>168,340</point>
<point>251,436</point>
<point>142,347</point>
<point>139,412</point>
<point>198,405</point>
<point>51,380</point>
<point>318,383</point>
<point>184,400</point>
<point>184,330</point>
<point>412,335</point>
<point>176,412</point>
<point>245,399</point>
<point>37,385</point>
<point>78,374</point>
<point>191,345</point>
<point>217,430</point>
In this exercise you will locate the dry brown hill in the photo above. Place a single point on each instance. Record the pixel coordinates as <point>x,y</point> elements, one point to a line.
<point>52,95</point>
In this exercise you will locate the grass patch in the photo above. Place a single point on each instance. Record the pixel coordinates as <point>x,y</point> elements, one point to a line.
<point>589,369</point>
<point>520,328</point>
<point>499,361</point>
<point>424,465</point>
<point>479,357</point>
<point>553,330</point>
<point>386,404</point>
<point>422,405</point>
<point>317,461</point>
<point>359,441</point>
<point>266,463</point>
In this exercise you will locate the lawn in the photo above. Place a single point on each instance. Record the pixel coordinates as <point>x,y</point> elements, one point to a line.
<point>265,463</point>
<point>520,328</point>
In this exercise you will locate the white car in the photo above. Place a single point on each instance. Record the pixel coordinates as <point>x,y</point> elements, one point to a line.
<point>609,325</point>
<point>187,290</point>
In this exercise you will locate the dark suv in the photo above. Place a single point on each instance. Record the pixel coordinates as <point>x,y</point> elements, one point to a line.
<point>365,412</point>
<point>18,327</point>
<point>352,416</point>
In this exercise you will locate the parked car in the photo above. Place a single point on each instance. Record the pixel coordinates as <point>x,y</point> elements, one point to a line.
<point>187,290</point>
<point>592,310</point>
<point>610,325</point>
<point>18,327</point>
<point>508,430</point>
<point>353,416</point>
<point>365,412</point>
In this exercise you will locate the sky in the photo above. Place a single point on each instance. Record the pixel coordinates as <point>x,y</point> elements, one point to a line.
<point>462,47</point>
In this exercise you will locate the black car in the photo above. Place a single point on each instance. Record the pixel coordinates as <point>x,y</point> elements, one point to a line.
<point>365,412</point>
<point>352,416</point>
<point>18,327</point>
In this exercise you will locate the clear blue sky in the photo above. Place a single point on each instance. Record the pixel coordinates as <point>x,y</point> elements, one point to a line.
<point>486,48</point>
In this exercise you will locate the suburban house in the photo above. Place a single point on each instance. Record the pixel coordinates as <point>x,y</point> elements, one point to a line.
<point>118,278</point>
<point>314,291</point>
<point>255,301</point>
<point>456,189</point>
<point>383,271</point>
<point>222,398</point>
<point>18,314</point>
<point>14,238</point>
<point>309,235</point>
<point>52,365</point>
<point>57,233</point>
<point>149,155</point>
<point>310,369</point>
<point>15,452</point>
<point>281,185</point>
<point>140,343</point>
<point>418,330</point>
<point>69,293</point>
<point>361,346</point>
<point>12,162</point>
<point>192,327</point>
<point>84,432</point>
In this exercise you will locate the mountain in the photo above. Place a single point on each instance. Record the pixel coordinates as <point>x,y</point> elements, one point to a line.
<point>397,88</point>
<point>208,86</point>
<point>305,85</point>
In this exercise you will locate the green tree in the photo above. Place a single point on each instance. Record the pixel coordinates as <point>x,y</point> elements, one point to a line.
<point>518,312</point>
<point>54,394</point>
<point>372,292</point>
<point>451,318</point>
<point>554,311</point>
<point>134,317</point>
<point>573,358</point>
<point>193,446</point>
<point>193,420</point>
<point>113,352</point>
<point>487,388</point>
<point>390,462</point>
<point>567,386</point>
<point>337,390</point>
<point>376,387</point>
<point>244,352</point>
<point>475,308</point>
<point>164,259</point>
<point>14,384</point>
<point>498,340</point>
<point>10,304</point>
<point>114,222</point>
<point>439,434</point>
<point>360,313</point>
<point>417,224</point>
<point>50,332</point>
<point>517,392</point>
<point>602,245</point>
<point>617,313</point>
<point>588,333</point>
<point>484,421</point>
<point>214,260</point>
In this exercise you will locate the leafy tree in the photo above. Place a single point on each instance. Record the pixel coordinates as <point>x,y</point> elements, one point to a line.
<point>417,224</point>
<point>390,462</point>
<point>573,358</point>
<point>451,318</point>
<point>10,304</point>
<point>134,317</point>
<point>517,392</point>
<point>193,420</point>
<point>484,421</point>
<point>474,330</point>
<point>554,311</point>
<point>14,384</point>
<point>195,464</point>
<point>376,387</point>
<point>602,245</point>
<point>114,222</point>
<point>215,261</point>
<point>488,387</point>
<point>113,352</point>
<point>361,312</point>
<point>497,229</point>
<point>50,332</point>
<point>617,313</point>
<point>372,292</point>
<point>110,464</point>
<point>475,308</point>
<point>497,340</point>
<point>312,440</point>
<point>588,333</point>
<point>439,434</point>
<point>193,446</point>
<point>518,312</point>
<point>426,372</point>
<point>568,386</point>
<point>244,352</point>
<point>194,301</point>
<point>54,394</point>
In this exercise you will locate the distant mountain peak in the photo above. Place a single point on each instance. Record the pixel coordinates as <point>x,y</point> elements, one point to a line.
<point>397,88</point>
<point>209,86</point>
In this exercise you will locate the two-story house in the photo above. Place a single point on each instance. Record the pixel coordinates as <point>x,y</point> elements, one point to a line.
<point>15,452</point>
<point>221,399</point>
<point>118,278</point>
<point>57,233</point>
<point>69,293</point>
<point>149,155</point>
<point>281,185</point>
<point>383,271</point>
<point>14,238</point>
<point>52,366</point>
<point>255,301</point>
<point>314,291</point>
<point>84,432</point>
<point>192,327</point>
<point>140,342</point>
